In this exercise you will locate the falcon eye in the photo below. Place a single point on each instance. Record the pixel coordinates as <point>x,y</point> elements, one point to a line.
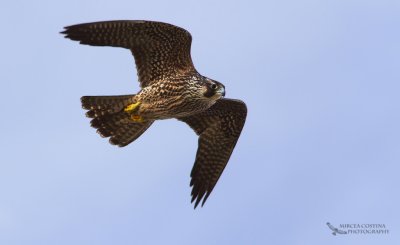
<point>214,86</point>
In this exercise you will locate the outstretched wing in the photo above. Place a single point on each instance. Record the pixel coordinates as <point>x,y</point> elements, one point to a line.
<point>219,128</point>
<point>341,232</point>
<point>161,50</point>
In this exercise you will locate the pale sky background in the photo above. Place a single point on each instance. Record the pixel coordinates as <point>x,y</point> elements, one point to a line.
<point>321,80</point>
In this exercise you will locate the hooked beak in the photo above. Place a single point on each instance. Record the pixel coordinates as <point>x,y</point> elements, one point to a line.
<point>221,91</point>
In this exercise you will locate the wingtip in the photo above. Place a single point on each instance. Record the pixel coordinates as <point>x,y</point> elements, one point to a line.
<point>72,33</point>
<point>197,203</point>
<point>205,198</point>
<point>65,31</point>
<point>194,197</point>
<point>199,199</point>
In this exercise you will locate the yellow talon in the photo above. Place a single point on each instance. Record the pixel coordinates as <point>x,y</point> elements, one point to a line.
<point>137,118</point>
<point>132,107</point>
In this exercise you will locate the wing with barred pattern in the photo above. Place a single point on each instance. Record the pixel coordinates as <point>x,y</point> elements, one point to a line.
<point>218,128</point>
<point>161,50</point>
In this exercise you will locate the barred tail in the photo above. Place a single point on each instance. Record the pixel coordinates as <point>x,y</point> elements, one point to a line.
<point>110,119</point>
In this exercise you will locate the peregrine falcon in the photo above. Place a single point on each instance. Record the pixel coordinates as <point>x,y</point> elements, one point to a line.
<point>170,88</point>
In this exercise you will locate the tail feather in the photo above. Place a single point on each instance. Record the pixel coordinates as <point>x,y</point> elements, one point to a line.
<point>103,105</point>
<point>110,119</point>
<point>128,133</point>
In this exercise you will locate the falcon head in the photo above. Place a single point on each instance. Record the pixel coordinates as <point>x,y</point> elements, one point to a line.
<point>213,89</point>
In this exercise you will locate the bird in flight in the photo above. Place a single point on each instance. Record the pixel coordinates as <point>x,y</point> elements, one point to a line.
<point>335,230</point>
<point>170,88</point>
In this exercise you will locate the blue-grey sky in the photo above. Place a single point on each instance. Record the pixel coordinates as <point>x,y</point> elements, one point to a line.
<point>321,80</point>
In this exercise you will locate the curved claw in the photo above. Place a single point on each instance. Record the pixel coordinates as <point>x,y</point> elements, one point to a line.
<point>137,118</point>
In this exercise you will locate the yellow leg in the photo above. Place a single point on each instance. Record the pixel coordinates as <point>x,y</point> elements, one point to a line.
<point>137,118</point>
<point>131,107</point>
